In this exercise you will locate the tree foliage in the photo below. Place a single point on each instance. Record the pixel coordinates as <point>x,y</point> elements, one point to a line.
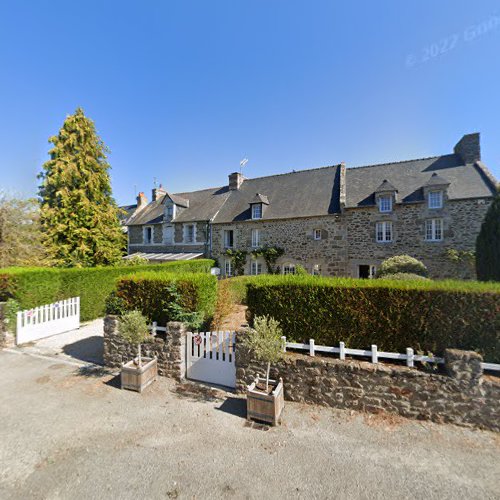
<point>79,217</point>
<point>488,244</point>
<point>401,264</point>
<point>20,235</point>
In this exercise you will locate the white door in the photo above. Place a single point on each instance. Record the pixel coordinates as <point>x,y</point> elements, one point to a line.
<point>211,358</point>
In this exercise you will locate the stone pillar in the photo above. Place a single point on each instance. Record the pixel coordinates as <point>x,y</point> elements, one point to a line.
<point>3,326</point>
<point>464,366</point>
<point>111,356</point>
<point>176,348</point>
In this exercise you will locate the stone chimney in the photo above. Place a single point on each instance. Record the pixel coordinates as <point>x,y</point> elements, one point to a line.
<point>157,192</point>
<point>142,201</point>
<point>468,148</point>
<point>235,181</point>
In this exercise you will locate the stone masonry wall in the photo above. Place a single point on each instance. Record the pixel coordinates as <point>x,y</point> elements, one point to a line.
<point>296,237</point>
<point>462,396</point>
<point>169,348</point>
<point>3,327</point>
<point>462,221</point>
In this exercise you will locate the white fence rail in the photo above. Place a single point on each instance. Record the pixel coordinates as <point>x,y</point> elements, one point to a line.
<point>410,357</point>
<point>48,320</point>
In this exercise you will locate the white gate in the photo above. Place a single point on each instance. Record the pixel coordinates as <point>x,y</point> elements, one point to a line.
<point>211,358</point>
<point>48,320</point>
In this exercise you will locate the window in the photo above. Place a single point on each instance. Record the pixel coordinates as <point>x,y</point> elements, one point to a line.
<point>385,203</point>
<point>434,229</point>
<point>257,211</point>
<point>170,211</point>
<point>148,235</point>
<point>255,238</point>
<point>228,267</point>
<point>288,269</point>
<point>228,238</point>
<point>384,232</point>
<point>316,270</point>
<point>256,267</point>
<point>435,199</point>
<point>317,234</point>
<point>189,233</point>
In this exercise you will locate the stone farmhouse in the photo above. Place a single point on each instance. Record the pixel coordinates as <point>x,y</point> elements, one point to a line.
<point>332,221</point>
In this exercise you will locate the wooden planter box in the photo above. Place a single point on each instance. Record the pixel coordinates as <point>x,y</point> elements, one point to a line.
<point>265,407</point>
<point>138,378</point>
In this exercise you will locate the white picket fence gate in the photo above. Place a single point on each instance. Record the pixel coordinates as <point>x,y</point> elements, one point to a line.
<point>48,320</point>
<point>210,357</point>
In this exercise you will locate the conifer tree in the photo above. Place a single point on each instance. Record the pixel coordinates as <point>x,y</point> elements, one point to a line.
<point>79,217</point>
<point>488,244</point>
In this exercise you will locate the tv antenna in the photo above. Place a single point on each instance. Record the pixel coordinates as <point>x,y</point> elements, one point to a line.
<point>243,163</point>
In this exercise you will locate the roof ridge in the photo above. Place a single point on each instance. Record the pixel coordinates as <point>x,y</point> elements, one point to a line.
<point>294,172</point>
<point>398,162</point>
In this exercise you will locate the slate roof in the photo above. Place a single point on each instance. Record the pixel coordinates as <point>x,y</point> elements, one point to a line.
<point>466,181</point>
<point>316,192</point>
<point>385,187</point>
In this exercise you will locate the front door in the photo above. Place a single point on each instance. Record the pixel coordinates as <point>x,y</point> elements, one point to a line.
<point>169,235</point>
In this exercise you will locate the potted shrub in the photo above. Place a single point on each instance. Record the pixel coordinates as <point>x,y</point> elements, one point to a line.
<point>265,399</point>
<point>139,373</point>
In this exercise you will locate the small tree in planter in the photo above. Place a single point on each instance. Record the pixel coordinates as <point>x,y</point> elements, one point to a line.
<point>140,372</point>
<point>265,401</point>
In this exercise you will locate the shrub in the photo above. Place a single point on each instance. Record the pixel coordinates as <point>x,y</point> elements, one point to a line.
<point>224,305</point>
<point>401,264</point>
<point>404,276</point>
<point>114,304</point>
<point>426,315</point>
<point>133,328</point>
<point>33,287</point>
<point>152,293</point>
<point>488,244</point>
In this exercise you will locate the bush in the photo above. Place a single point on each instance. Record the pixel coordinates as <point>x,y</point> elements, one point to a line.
<point>488,244</point>
<point>152,293</point>
<point>401,264</point>
<point>425,315</point>
<point>36,286</point>
<point>404,276</point>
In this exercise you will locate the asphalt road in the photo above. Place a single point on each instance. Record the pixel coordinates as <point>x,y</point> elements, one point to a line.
<point>70,433</point>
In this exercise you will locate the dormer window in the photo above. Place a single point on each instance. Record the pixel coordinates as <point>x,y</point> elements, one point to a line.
<point>385,203</point>
<point>257,211</point>
<point>436,199</point>
<point>170,211</point>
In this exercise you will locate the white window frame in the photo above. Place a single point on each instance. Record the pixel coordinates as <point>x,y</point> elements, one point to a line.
<point>381,203</point>
<point>434,228</point>
<point>145,232</point>
<point>257,211</point>
<point>289,269</point>
<point>316,270</point>
<point>317,234</point>
<point>186,233</point>
<point>226,238</point>
<point>384,225</point>
<point>255,267</point>
<point>435,203</point>
<point>255,238</point>
<point>228,267</point>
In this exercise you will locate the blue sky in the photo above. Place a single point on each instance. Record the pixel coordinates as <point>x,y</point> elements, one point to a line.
<point>183,90</point>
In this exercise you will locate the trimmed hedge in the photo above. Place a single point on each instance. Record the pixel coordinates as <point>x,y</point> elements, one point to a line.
<point>426,315</point>
<point>151,293</point>
<point>37,286</point>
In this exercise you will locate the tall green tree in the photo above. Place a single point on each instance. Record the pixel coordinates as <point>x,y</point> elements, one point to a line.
<point>488,244</point>
<point>79,216</point>
<point>20,235</point>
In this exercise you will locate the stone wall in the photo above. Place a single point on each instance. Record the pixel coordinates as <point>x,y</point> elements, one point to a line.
<point>462,222</point>
<point>461,395</point>
<point>296,237</point>
<point>3,327</point>
<point>169,348</point>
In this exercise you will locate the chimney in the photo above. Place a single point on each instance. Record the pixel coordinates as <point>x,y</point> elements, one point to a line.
<point>468,148</point>
<point>235,181</point>
<point>142,201</point>
<point>157,192</point>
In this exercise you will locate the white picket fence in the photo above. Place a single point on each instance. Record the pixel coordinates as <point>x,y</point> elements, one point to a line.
<point>45,321</point>
<point>374,354</point>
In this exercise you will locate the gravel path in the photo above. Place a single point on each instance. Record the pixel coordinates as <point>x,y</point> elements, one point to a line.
<point>71,433</point>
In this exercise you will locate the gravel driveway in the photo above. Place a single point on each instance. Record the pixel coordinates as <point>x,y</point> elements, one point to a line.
<point>70,433</point>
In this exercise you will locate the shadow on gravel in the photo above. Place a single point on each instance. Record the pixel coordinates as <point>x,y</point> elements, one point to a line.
<point>89,349</point>
<point>234,406</point>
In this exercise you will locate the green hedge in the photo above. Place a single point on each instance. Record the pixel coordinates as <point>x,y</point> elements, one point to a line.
<point>33,287</point>
<point>150,293</point>
<point>426,315</point>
